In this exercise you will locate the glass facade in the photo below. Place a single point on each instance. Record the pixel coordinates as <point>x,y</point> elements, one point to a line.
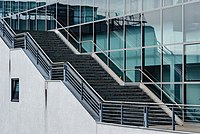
<point>158,38</point>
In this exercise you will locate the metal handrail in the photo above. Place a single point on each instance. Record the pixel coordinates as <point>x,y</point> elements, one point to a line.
<point>92,89</point>
<point>36,44</point>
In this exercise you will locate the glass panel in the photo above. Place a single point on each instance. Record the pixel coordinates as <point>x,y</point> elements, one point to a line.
<point>193,98</point>
<point>117,40</point>
<point>14,7</point>
<point>189,0</point>
<point>51,15</point>
<point>101,35</point>
<point>172,25</point>
<point>116,8</point>
<point>31,20</point>
<point>151,25</point>
<point>22,21</point>
<point>14,22</point>
<point>171,2</point>
<point>133,30</point>
<point>152,64</point>
<point>74,37</point>
<point>174,91</point>
<point>41,19</point>
<point>193,94</point>
<point>23,6</point>
<point>151,4</point>
<point>87,11</point>
<point>87,37</point>
<point>172,63</point>
<point>63,15</point>
<point>133,63</point>
<point>1,8</point>
<point>74,12</point>
<point>7,8</point>
<point>192,22</point>
<point>133,6</point>
<point>192,62</point>
<point>31,4</point>
<point>100,9</point>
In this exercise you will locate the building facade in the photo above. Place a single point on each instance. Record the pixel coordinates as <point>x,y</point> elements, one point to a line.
<point>149,41</point>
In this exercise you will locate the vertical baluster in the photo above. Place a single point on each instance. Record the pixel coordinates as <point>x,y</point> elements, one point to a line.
<point>173,119</point>
<point>122,114</point>
<point>100,112</point>
<point>146,125</point>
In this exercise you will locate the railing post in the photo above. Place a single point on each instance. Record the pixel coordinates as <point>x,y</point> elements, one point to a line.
<point>13,42</point>
<point>81,90</point>
<point>50,72</point>
<point>64,72</point>
<point>25,40</point>
<point>100,112</point>
<point>122,114</point>
<point>146,123</point>
<point>37,55</point>
<point>173,119</point>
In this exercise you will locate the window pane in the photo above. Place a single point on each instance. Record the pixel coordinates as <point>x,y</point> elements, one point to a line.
<point>172,63</point>
<point>192,22</point>
<point>133,6</point>
<point>151,4</point>
<point>192,62</point>
<point>193,94</point>
<point>172,25</point>
<point>171,2</point>
<point>152,63</point>
<point>133,30</point>
<point>152,31</point>
<point>87,11</point>
<point>116,8</point>
<point>14,89</point>
<point>100,10</point>
<point>74,12</point>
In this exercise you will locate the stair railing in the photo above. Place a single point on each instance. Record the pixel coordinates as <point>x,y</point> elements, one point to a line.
<point>25,40</point>
<point>82,90</point>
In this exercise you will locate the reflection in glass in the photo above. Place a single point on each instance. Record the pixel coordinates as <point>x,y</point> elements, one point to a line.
<point>172,25</point>
<point>193,94</point>
<point>151,25</point>
<point>192,62</point>
<point>31,20</point>
<point>101,35</point>
<point>152,63</point>
<point>133,6</point>
<point>192,22</point>
<point>87,11</point>
<point>116,8</point>
<point>172,63</point>
<point>51,15</point>
<point>133,30</point>
<point>62,16</point>
<point>174,91</point>
<point>133,63</point>
<point>87,37</point>
<point>151,4</point>
<point>74,12</point>
<point>22,21</point>
<point>100,9</point>
<point>171,2</point>
<point>41,19</point>
<point>117,40</point>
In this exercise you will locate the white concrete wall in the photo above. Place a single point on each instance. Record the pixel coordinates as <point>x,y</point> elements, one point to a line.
<point>63,114</point>
<point>27,115</point>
